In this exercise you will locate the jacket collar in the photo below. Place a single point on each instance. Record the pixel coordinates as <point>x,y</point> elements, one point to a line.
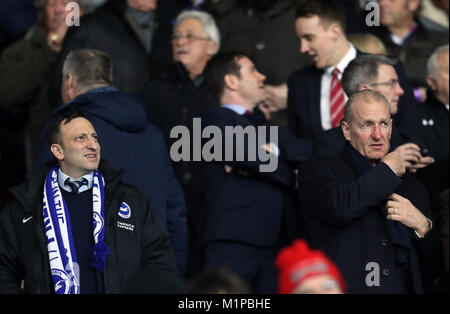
<point>432,100</point>
<point>29,193</point>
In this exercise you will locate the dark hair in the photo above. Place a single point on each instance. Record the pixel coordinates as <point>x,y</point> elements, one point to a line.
<point>217,280</point>
<point>67,115</point>
<point>329,11</point>
<point>219,66</point>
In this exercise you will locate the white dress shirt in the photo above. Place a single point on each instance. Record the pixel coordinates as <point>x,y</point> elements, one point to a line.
<point>326,84</point>
<point>62,177</point>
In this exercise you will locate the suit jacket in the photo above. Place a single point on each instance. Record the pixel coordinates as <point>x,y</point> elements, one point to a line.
<point>415,51</point>
<point>304,104</point>
<point>434,117</point>
<point>347,220</point>
<point>245,205</point>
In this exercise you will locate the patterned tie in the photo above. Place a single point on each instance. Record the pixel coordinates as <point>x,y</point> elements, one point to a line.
<point>337,99</point>
<point>76,185</point>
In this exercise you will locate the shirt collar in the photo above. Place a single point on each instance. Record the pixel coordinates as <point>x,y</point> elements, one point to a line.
<point>62,177</point>
<point>236,108</point>
<point>349,56</point>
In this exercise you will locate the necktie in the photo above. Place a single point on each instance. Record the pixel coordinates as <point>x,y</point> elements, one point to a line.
<point>75,185</point>
<point>337,99</point>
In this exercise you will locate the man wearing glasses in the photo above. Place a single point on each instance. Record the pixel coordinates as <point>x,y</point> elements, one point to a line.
<point>376,72</point>
<point>180,95</point>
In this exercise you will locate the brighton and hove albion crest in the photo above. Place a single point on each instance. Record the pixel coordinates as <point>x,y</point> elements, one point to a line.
<point>125,211</point>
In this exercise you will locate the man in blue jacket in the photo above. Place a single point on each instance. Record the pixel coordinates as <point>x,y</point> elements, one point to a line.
<point>129,141</point>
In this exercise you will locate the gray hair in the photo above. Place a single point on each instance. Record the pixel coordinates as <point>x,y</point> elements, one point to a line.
<point>432,64</point>
<point>363,70</point>
<point>88,68</point>
<point>209,24</point>
<point>369,96</point>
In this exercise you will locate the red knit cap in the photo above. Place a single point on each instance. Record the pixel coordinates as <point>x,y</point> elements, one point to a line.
<point>298,262</point>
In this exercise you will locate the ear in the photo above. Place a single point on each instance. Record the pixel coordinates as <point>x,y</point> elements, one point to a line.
<point>67,88</point>
<point>211,48</point>
<point>413,5</point>
<point>335,30</point>
<point>346,130</point>
<point>69,80</point>
<point>57,151</point>
<point>363,87</point>
<point>231,81</point>
<point>431,82</point>
<point>390,131</point>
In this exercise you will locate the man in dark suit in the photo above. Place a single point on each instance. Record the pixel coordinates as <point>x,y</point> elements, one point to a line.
<point>377,73</point>
<point>315,101</point>
<point>246,217</point>
<point>365,211</point>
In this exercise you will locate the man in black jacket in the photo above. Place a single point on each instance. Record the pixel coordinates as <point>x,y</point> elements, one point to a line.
<point>129,31</point>
<point>74,229</point>
<point>365,211</point>
<point>377,73</point>
<point>406,39</point>
<point>129,141</point>
<point>434,112</point>
<point>180,95</point>
<point>248,211</point>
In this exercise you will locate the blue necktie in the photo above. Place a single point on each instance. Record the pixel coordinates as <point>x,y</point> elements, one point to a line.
<point>75,185</point>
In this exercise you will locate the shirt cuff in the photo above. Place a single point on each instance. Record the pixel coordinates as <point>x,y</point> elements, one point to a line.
<point>431,227</point>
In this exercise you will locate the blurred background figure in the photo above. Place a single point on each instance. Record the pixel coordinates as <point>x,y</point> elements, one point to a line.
<point>25,68</point>
<point>407,39</point>
<point>368,43</point>
<point>434,15</point>
<point>131,32</point>
<point>217,280</point>
<point>434,112</point>
<point>151,280</point>
<point>306,271</point>
<point>444,226</point>
<point>264,30</point>
<point>16,17</point>
<point>180,95</point>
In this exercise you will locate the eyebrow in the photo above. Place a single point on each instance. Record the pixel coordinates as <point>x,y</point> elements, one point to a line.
<point>85,134</point>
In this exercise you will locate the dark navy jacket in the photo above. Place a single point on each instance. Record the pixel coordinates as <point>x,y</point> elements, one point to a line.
<point>347,220</point>
<point>304,104</point>
<point>246,205</point>
<point>129,141</point>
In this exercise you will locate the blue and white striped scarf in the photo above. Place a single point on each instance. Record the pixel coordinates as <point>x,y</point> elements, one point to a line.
<point>61,250</point>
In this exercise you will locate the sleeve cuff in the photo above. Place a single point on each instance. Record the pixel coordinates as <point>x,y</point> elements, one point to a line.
<point>431,227</point>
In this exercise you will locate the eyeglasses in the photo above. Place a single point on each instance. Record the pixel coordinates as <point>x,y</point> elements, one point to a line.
<point>390,83</point>
<point>188,37</point>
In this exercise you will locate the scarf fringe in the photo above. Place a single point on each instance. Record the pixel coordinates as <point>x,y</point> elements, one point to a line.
<point>99,256</point>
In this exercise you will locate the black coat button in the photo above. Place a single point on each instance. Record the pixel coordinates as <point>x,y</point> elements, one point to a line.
<point>260,45</point>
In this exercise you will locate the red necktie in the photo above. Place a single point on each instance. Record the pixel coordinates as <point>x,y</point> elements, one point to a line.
<point>337,99</point>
